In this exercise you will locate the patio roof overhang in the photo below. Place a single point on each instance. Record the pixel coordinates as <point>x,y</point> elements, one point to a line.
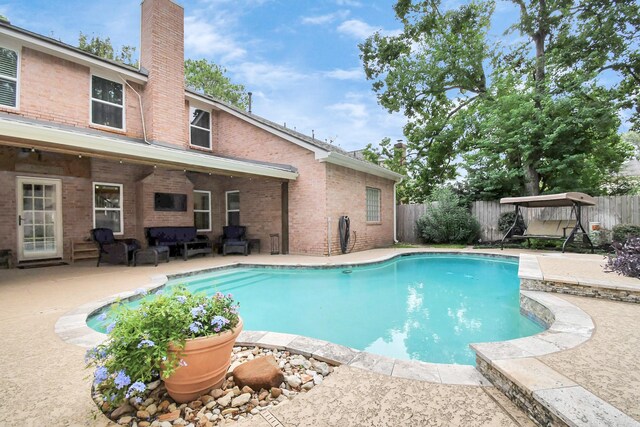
<point>28,133</point>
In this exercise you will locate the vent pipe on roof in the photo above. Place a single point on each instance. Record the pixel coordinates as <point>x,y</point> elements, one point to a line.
<point>250,94</point>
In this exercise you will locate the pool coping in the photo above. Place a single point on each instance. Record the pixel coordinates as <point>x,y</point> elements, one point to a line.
<point>72,328</point>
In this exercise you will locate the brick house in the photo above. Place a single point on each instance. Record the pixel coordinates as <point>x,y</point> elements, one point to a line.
<point>86,142</point>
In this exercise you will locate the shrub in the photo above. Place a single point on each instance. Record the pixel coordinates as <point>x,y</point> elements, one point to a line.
<point>627,258</point>
<point>622,232</point>
<point>446,221</point>
<point>506,221</point>
<point>139,339</point>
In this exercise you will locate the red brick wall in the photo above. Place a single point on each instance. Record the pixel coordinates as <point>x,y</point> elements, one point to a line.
<point>346,195</point>
<point>57,90</point>
<point>307,194</point>
<point>162,54</point>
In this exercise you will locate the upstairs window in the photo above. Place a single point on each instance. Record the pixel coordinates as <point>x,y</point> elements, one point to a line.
<point>200,124</point>
<point>8,77</point>
<point>107,103</point>
<point>373,204</point>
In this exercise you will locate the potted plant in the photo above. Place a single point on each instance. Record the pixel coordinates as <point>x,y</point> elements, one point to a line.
<point>186,339</point>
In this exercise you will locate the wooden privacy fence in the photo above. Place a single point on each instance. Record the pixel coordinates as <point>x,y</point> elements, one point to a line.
<point>608,211</point>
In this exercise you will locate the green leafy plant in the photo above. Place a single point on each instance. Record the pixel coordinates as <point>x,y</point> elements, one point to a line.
<point>137,351</point>
<point>506,221</point>
<point>447,221</point>
<point>622,232</point>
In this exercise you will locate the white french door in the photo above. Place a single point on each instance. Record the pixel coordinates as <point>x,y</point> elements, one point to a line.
<point>39,218</point>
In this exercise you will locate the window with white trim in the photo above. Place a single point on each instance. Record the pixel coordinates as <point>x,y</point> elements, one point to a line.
<point>233,207</point>
<point>8,77</point>
<point>107,206</point>
<point>200,127</point>
<point>202,210</point>
<point>373,204</point>
<point>107,103</point>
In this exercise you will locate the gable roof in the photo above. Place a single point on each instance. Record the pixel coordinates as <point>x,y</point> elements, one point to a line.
<point>324,151</point>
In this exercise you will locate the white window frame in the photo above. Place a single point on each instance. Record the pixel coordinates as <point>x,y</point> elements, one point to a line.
<point>18,50</point>
<point>379,210</point>
<point>208,211</point>
<point>121,208</point>
<point>124,102</point>
<point>201,128</point>
<point>226,205</point>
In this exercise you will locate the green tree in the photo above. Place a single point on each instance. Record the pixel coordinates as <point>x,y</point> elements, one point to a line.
<point>394,158</point>
<point>104,49</point>
<point>527,117</point>
<point>210,78</point>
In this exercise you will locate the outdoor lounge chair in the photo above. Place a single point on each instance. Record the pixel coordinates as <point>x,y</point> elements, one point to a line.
<point>111,250</point>
<point>234,240</point>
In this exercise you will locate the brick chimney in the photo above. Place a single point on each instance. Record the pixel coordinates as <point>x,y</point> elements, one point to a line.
<point>400,150</point>
<point>162,55</point>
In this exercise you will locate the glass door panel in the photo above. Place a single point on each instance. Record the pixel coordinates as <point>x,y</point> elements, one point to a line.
<point>39,218</point>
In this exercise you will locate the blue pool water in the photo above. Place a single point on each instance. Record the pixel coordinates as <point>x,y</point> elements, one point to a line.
<point>422,307</point>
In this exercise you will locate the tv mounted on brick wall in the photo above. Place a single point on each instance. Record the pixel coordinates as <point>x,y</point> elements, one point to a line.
<point>170,202</point>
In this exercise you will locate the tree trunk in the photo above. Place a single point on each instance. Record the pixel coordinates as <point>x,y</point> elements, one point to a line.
<point>532,177</point>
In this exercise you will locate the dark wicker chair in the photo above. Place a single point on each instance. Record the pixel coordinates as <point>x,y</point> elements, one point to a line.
<point>111,250</point>
<point>234,240</point>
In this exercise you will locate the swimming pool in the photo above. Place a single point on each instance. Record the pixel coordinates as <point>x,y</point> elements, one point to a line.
<point>426,307</point>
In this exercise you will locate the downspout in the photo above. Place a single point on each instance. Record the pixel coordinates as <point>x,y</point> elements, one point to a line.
<point>144,128</point>
<point>395,212</point>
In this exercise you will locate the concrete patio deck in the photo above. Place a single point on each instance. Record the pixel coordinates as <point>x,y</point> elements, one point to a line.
<point>43,380</point>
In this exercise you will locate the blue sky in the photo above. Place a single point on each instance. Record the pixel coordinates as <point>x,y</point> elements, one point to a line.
<point>299,58</point>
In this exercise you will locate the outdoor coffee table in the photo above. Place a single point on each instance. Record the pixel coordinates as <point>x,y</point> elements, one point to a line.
<point>151,255</point>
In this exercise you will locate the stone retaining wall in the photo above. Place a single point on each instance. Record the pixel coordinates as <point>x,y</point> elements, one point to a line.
<point>583,290</point>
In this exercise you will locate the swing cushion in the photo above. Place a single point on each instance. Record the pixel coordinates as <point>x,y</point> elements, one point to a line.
<point>549,229</point>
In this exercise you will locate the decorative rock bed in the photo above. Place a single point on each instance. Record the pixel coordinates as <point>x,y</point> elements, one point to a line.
<point>226,404</point>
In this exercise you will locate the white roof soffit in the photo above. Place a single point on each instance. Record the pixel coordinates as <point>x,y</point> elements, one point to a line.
<point>115,147</point>
<point>71,55</point>
<point>359,165</point>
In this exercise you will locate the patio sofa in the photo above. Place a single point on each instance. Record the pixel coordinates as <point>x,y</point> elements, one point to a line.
<point>181,241</point>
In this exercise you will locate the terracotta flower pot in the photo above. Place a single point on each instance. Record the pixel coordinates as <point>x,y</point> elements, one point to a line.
<point>207,360</point>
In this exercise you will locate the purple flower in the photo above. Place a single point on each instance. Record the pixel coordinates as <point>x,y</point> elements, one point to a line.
<point>141,291</point>
<point>122,380</point>
<point>111,327</point>
<point>218,322</point>
<point>160,292</point>
<point>195,327</point>
<point>138,400</point>
<point>219,295</point>
<point>100,374</point>
<point>197,311</point>
<point>181,299</point>
<point>183,363</point>
<point>137,387</point>
<point>102,317</point>
<point>146,343</point>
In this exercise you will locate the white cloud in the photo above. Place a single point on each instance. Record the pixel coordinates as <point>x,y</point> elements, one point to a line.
<point>325,19</point>
<point>205,38</point>
<point>266,75</point>
<point>361,30</point>
<point>350,3</point>
<point>340,74</point>
<point>354,111</point>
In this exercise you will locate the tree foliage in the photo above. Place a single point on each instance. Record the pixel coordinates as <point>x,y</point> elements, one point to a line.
<point>535,115</point>
<point>104,49</point>
<point>393,158</point>
<point>210,78</point>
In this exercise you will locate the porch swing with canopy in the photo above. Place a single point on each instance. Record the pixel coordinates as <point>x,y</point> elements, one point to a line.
<point>564,229</point>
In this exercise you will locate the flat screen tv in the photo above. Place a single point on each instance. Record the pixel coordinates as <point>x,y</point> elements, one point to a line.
<point>170,202</point>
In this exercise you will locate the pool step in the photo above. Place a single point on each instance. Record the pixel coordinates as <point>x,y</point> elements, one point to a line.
<point>548,397</point>
<point>232,281</point>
